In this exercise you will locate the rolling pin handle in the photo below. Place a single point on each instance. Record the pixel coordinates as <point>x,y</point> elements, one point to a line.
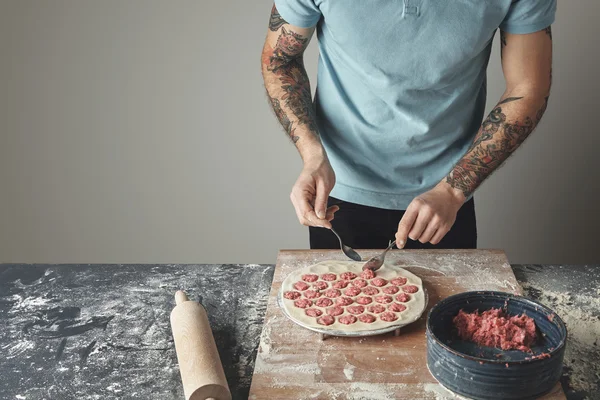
<point>200,366</point>
<point>180,297</point>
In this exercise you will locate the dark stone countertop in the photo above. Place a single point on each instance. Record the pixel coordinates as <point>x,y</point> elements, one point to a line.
<point>103,331</point>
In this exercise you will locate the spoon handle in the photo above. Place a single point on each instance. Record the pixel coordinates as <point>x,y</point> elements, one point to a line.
<point>382,255</point>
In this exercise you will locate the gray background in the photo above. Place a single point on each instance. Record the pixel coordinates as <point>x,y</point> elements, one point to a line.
<point>138,131</point>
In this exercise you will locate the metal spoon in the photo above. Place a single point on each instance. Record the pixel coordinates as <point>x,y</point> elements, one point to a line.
<point>348,251</point>
<point>374,263</point>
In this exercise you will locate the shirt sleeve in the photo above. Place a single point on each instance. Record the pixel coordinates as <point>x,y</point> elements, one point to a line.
<point>300,13</point>
<point>528,16</point>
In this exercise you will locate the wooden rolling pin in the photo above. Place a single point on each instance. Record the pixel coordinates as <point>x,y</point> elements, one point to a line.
<point>199,363</point>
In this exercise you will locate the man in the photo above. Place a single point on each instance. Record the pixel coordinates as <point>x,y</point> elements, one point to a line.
<point>397,115</point>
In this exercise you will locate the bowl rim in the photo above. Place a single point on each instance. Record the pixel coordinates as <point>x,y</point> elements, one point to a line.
<point>509,296</point>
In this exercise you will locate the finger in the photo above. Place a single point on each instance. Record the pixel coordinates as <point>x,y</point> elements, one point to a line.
<point>322,223</point>
<point>321,200</point>
<point>405,225</point>
<point>439,235</point>
<point>333,209</point>
<point>297,209</point>
<point>420,225</point>
<point>311,219</point>
<point>431,229</point>
<point>330,216</point>
<point>303,208</point>
<point>309,216</point>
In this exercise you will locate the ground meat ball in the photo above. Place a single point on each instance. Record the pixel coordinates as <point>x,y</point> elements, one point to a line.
<point>402,298</point>
<point>312,294</point>
<point>367,318</point>
<point>396,307</point>
<point>313,312</point>
<point>332,293</point>
<point>367,274</point>
<point>391,290</point>
<point>410,289</point>
<point>291,295</point>
<point>379,282</point>
<point>364,300</point>
<point>303,303</point>
<point>388,317</point>
<point>355,309</point>
<point>323,302</point>
<point>329,277</point>
<point>344,301</point>
<point>360,283</point>
<point>340,284</point>
<point>310,277</point>
<point>335,311</point>
<point>384,299</point>
<point>370,290</point>
<point>300,285</point>
<point>321,285</point>
<point>348,275</point>
<point>326,320</point>
<point>494,328</point>
<point>376,308</point>
<point>352,291</point>
<point>347,319</point>
<point>399,281</point>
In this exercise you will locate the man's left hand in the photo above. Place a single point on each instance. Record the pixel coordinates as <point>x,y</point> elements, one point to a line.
<point>430,216</point>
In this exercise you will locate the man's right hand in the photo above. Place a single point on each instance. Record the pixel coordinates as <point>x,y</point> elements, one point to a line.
<point>311,191</point>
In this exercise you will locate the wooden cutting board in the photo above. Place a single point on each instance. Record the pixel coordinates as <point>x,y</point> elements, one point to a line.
<point>294,363</point>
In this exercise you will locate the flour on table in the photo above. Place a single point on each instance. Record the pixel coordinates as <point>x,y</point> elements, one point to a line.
<point>583,326</point>
<point>440,392</point>
<point>349,371</point>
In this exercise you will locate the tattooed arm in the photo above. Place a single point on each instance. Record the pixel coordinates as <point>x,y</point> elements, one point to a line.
<point>288,90</point>
<point>527,66</point>
<point>287,84</point>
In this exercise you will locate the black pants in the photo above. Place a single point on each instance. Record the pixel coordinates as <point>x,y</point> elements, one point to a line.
<point>363,227</point>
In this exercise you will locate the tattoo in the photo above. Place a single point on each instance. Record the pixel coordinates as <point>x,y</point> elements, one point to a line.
<point>509,99</point>
<point>494,143</point>
<point>287,49</point>
<point>503,38</point>
<point>548,31</point>
<point>287,64</point>
<point>297,95</point>
<point>542,110</point>
<point>283,119</point>
<point>276,22</point>
<point>281,116</point>
<point>489,127</point>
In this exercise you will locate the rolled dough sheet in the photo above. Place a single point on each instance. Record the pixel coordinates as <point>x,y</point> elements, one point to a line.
<point>414,307</point>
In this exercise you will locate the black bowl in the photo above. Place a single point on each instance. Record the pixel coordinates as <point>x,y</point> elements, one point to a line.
<point>488,373</point>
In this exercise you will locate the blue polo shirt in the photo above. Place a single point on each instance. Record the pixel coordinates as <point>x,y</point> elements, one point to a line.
<point>401,86</point>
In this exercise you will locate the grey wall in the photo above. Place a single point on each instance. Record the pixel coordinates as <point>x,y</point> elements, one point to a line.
<point>138,131</point>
